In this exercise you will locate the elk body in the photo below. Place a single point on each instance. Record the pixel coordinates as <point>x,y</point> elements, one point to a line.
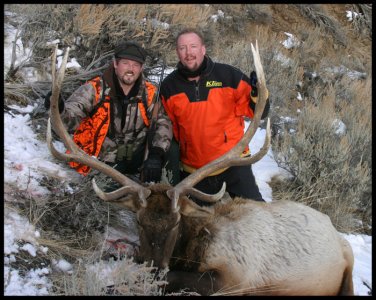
<point>241,246</point>
<point>247,247</point>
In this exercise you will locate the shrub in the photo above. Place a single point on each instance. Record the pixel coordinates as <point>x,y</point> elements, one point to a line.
<point>331,167</point>
<point>317,15</point>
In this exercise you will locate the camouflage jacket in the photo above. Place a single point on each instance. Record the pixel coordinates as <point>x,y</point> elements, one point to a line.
<point>81,103</point>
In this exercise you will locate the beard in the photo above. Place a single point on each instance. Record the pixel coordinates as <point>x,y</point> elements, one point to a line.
<point>192,68</point>
<point>128,78</point>
<point>194,71</point>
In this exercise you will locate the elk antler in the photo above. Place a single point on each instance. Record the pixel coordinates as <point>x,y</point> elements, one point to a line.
<point>232,157</point>
<point>78,155</point>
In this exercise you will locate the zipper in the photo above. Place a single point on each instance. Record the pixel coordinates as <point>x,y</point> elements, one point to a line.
<point>197,91</point>
<point>225,137</point>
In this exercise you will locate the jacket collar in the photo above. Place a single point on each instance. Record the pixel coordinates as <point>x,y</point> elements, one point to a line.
<point>209,66</point>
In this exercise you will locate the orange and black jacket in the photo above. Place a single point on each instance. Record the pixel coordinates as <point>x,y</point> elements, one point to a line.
<point>92,131</point>
<point>208,115</point>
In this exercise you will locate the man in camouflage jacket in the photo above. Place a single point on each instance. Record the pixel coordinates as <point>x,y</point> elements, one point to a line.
<point>110,116</point>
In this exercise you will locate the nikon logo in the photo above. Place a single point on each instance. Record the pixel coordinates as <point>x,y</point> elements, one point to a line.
<point>213,83</point>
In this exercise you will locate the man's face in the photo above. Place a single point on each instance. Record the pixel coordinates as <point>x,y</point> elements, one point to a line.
<point>190,51</point>
<point>127,70</point>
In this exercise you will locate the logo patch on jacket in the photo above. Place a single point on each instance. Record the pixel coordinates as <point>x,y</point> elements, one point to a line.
<point>213,83</point>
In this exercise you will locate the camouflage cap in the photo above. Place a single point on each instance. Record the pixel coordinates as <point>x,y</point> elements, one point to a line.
<point>131,50</point>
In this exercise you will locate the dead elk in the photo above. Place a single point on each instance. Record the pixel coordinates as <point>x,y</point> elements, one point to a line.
<point>241,247</point>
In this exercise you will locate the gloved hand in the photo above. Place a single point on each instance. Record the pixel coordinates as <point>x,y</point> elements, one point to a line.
<point>152,169</point>
<point>254,95</point>
<point>254,91</point>
<point>47,102</point>
<point>253,82</point>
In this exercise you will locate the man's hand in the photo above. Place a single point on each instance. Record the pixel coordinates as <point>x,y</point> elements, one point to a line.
<point>152,170</point>
<point>253,82</point>
<point>254,95</point>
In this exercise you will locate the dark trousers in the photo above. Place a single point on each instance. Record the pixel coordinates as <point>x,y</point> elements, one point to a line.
<point>240,182</point>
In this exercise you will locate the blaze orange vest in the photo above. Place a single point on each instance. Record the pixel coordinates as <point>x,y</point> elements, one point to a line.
<point>92,131</point>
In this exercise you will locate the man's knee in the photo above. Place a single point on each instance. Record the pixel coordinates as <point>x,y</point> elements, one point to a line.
<point>243,183</point>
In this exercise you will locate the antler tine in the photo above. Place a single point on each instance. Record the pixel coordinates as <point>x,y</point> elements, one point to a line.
<point>232,157</point>
<point>78,155</point>
<point>56,87</point>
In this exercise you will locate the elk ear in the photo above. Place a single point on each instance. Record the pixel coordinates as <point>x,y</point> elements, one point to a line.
<point>190,209</point>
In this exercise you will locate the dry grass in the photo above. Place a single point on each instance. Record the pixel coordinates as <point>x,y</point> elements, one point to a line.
<point>188,15</point>
<point>90,18</point>
<point>331,172</point>
<point>317,15</point>
<point>121,278</point>
<point>311,49</point>
<point>127,22</point>
<point>362,23</point>
<point>14,95</point>
<point>259,13</point>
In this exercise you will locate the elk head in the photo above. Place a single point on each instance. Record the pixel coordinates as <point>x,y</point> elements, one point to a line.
<point>158,207</point>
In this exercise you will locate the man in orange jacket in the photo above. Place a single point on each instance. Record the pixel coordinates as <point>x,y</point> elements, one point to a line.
<point>207,103</point>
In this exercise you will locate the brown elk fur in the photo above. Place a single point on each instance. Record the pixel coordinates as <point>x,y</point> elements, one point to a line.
<point>246,247</point>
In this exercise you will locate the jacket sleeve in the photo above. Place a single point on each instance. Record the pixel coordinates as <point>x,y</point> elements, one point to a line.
<point>163,133</point>
<point>242,95</point>
<point>78,106</point>
<point>171,116</point>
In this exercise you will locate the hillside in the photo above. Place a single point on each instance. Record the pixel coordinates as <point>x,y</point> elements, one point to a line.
<point>318,65</point>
